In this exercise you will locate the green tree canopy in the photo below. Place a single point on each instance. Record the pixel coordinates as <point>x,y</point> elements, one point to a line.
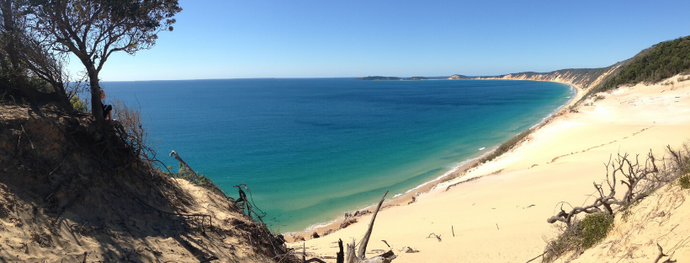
<point>92,30</point>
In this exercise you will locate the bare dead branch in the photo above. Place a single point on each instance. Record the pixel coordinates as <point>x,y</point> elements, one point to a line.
<point>435,235</point>
<point>634,174</point>
<point>385,242</point>
<point>534,258</point>
<point>365,239</point>
<point>358,256</point>
<point>662,255</point>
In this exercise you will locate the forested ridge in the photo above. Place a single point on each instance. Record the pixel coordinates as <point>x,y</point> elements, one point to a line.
<point>652,65</point>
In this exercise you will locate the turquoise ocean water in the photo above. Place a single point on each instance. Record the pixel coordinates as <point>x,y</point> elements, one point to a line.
<point>312,149</point>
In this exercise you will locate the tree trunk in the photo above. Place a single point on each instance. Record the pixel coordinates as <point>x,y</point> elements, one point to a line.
<point>96,104</point>
<point>61,95</point>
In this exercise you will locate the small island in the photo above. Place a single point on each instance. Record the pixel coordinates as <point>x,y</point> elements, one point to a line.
<point>458,76</point>
<point>379,78</point>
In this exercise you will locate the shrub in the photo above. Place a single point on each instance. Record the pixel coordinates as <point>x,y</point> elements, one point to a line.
<point>189,175</point>
<point>580,235</point>
<point>594,228</point>
<point>684,181</point>
<point>131,130</point>
<point>79,104</point>
<point>568,240</point>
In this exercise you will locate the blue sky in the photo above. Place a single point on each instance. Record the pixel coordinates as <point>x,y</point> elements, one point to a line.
<point>217,39</point>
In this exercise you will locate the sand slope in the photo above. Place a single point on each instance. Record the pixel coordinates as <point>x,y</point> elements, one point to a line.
<point>501,217</point>
<point>60,201</point>
<point>660,218</point>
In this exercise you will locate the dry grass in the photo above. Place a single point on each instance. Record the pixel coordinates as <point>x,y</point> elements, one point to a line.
<point>133,130</point>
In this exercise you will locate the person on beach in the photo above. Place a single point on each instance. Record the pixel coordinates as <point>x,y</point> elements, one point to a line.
<point>107,109</point>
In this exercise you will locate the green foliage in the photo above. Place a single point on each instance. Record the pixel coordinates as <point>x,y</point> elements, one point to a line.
<point>93,30</point>
<point>505,147</point>
<point>684,166</point>
<point>79,104</point>
<point>627,213</point>
<point>594,228</point>
<point>580,235</point>
<point>185,173</point>
<point>659,62</point>
<point>684,181</point>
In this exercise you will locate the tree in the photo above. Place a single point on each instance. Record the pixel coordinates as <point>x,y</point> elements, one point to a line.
<point>28,62</point>
<point>92,30</point>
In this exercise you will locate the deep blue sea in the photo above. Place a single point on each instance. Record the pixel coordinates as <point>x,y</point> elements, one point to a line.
<point>312,149</point>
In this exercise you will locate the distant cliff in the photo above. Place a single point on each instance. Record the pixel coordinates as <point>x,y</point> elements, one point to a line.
<point>583,78</point>
<point>651,65</point>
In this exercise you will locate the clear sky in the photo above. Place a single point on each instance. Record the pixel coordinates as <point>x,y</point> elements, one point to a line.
<point>217,39</point>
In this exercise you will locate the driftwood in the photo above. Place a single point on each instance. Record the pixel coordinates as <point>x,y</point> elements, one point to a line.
<point>435,235</point>
<point>359,256</point>
<point>662,255</point>
<point>633,172</point>
<point>385,242</point>
<point>408,250</point>
<point>340,257</point>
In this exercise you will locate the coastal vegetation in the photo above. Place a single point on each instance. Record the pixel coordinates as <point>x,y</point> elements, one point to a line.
<point>78,189</point>
<point>640,180</point>
<point>653,65</point>
<point>684,181</point>
<point>583,234</point>
<point>39,35</point>
<point>505,147</point>
<point>100,182</point>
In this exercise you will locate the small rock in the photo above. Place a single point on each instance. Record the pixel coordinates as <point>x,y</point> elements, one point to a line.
<point>348,222</point>
<point>315,235</point>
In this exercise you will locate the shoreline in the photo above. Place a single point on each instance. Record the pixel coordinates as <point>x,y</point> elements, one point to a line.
<point>502,205</point>
<point>409,196</point>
